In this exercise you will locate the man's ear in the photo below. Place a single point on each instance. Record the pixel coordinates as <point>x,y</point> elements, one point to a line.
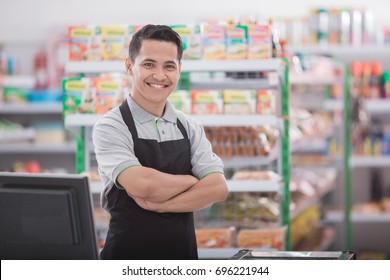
<point>128,65</point>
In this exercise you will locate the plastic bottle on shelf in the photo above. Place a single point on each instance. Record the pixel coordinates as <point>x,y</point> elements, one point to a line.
<point>385,85</point>
<point>375,81</point>
<point>40,70</point>
<point>365,80</point>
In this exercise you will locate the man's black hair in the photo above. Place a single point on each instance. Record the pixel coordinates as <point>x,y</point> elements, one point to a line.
<point>154,32</point>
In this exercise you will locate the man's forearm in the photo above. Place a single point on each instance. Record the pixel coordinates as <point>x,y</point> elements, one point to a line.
<point>207,191</point>
<point>153,185</point>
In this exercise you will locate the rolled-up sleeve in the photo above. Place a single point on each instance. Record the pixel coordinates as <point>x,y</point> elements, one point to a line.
<point>203,160</point>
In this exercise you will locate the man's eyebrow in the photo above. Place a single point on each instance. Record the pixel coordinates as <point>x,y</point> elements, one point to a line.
<point>149,60</point>
<point>155,61</point>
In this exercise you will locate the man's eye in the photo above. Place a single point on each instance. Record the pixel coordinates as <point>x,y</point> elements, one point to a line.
<point>148,64</point>
<point>170,66</point>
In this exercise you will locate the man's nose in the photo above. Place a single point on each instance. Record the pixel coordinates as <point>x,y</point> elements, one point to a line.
<point>159,75</point>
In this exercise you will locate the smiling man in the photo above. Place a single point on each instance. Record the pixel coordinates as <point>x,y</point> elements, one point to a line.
<point>156,163</point>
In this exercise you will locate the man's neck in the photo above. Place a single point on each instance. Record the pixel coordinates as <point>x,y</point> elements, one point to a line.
<point>156,110</point>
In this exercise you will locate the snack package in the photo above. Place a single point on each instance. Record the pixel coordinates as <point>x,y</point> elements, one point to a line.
<point>114,41</point>
<point>213,39</point>
<point>181,100</point>
<point>236,41</point>
<point>240,102</point>
<point>78,96</point>
<point>266,102</point>
<point>192,40</point>
<point>214,237</point>
<point>107,90</point>
<point>84,43</point>
<point>259,41</point>
<point>272,238</point>
<point>207,102</point>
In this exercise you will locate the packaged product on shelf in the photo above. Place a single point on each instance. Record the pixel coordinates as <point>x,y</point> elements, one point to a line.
<point>107,90</point>
<point>84,42</point>
<point>239,102</point>
<point>385,85</point>
<point>15,95</point>
<point>236,41</point>
<point>115,41</point>
<point>272,238</point>
<point>192,40</point>
<point>181,100</point>
<point>259,41</point>
<point>49,132</point>
<point>266,102</point>
<point>256,175</point>
<point>206,102</point>
<point>213,40</point>
<point>214,237</point>
<point>78,96</point>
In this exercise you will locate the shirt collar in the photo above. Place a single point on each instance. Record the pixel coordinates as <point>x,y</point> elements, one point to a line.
<point>142,116</point>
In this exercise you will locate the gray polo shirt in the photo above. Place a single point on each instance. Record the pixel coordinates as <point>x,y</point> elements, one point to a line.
<point>114,147</point>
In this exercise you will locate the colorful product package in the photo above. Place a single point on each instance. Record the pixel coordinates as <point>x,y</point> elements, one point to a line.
<point>181,100</point>
<point>214,237</point>
<point>207,102</point>
<point>192,40</point>
<point>114,41</point>
<point>84,43</point>
<point>266,102</point>
<point>78,96</point>
<point>259,41</point>
<point>213,39</point>
<point>239,102</point>
<point>107,90</point>
<point>262,238</point>
<point>236,41</point>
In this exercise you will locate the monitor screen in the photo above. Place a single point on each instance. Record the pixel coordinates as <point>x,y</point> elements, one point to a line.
<point>45,216</point>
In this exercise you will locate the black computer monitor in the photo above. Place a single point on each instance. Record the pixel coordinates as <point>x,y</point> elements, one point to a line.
<point>45,216</point>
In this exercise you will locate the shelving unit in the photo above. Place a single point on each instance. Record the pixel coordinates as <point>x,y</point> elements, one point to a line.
<point>278,80</point>
<point>20,148</point>
<point>316,144</point>
<point>354,224</point>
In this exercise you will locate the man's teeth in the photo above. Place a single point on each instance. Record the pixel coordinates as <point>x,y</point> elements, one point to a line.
<point>156,86</point>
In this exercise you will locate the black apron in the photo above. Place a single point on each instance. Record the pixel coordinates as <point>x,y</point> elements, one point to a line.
<point>135,233</point>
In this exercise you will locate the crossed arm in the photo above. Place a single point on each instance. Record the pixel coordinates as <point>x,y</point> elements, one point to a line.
<point>161,192</point>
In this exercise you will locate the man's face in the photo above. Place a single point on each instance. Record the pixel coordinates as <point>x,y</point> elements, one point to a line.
<point>155,72</point>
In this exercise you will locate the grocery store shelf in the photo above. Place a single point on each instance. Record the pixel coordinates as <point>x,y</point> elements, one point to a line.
<point>18,81</point>
<point>94,66</point>
<point>32,148</point>
<point>338,217</point>
<point>206,120</point>
<point>378,106</point>
<point>31,108</point>
<point>217,253</point>
<point>374,107</point>
<point>239,162</point>
<point>313,79</point>
<point>254,186</point>
<point>333,105</point>
<point>309,145</point>
<point>231,65</point>
<point>229,84</point>
<point>370,161</point>
<point>187,66</point>
<point>81,120</point>
<point>379,51</point>
<point>236,120</point>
